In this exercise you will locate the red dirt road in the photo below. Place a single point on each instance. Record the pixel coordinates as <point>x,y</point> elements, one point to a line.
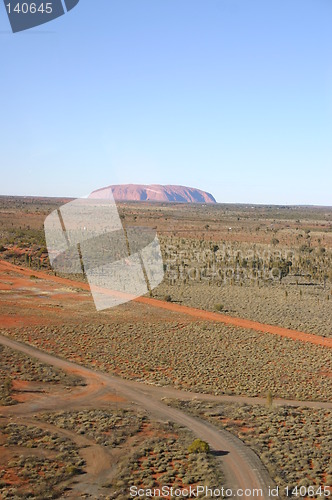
<point>195,313</point>
<point>241,466</point>
<point>239,322</point>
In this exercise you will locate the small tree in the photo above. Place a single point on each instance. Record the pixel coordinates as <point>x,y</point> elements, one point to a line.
<point>199,446</point>
<point>8,386</point>
<point>269,399</point>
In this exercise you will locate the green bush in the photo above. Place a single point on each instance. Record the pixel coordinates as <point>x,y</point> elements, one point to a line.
<point>199,446</point>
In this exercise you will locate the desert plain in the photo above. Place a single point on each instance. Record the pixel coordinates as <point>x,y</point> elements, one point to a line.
<point>233,348</point>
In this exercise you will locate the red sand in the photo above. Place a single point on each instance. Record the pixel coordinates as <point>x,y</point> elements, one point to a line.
<point>6,267</point>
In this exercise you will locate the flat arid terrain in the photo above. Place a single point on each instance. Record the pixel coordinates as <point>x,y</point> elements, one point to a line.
<point>233,349</point>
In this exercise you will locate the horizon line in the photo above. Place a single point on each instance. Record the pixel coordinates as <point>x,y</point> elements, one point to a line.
<point>255,204</point>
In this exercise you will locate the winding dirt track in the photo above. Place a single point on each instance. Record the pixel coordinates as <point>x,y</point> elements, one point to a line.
<point>242,468</point>
<point>191,311</point>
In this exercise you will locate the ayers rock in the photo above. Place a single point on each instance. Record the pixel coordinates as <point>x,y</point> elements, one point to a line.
<point>154,192</point>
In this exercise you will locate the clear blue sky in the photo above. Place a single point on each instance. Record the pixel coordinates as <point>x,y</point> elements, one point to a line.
<point>230,96</point>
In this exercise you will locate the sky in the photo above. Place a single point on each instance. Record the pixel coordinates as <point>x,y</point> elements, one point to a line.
<point>230,96</point>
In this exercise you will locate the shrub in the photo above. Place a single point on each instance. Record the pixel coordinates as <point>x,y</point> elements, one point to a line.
<point>199,446</point>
